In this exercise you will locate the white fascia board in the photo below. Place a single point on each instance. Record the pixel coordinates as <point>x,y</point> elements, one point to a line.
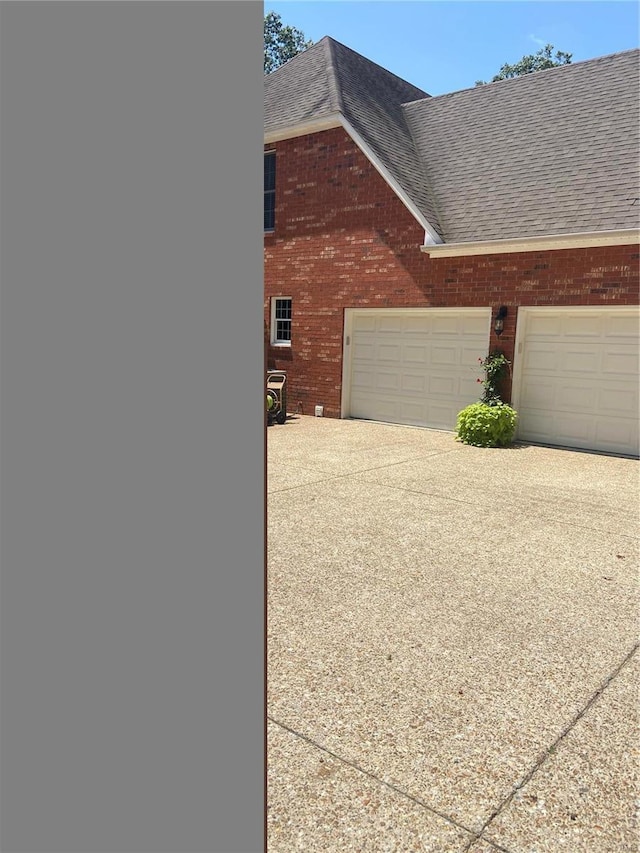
<point>582,240</point>
<point>303,129</point>
<point>430,233</point>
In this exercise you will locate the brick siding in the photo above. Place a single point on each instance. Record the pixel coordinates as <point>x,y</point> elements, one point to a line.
<point>343,239</point>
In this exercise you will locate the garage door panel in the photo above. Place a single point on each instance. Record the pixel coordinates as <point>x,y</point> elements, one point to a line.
<point>390,324</point>
<point>622,327</point>
<point>540,359</point>
<point>583,396</point>
<point>469,356</point>
<point>576,397</point>
<point>447,324</point>
<point>469,389</point>
<point>612,432</point>
<point>580,326</point>
<point>578,360</point>
<point>473,325</point>
<point>540,395</point>
<point>364,323</point>
<point>414,383</point>
<point>545,327</point>
<point>578,378</point>
<point>620,361</point>
<point>410,413</point>
<point>362,379</point>
<point>413,326</point>
<point>388,352</point>
<point>363,350</point>
<point>563,358</point>
<point>442,416</point>
<point>373,407</point>
<point>414,354</point>
<point>447,355</point>
<point>538,427</point>
<point>620,400</point>
<point>387,381</point>
<point>573,427</point>
<point>447,385</point>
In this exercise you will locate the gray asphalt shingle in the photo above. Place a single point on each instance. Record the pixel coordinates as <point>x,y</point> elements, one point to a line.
<point>553,152</point>
<point>300,91</point>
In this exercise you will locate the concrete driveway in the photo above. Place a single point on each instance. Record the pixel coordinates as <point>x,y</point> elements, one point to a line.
<point>452,644</point>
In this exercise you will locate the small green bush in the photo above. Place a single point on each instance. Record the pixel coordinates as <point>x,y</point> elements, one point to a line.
<point>486,426</point>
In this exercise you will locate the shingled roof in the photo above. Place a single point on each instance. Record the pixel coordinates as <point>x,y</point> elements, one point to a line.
<point>330,79</point>
<point>553,152</point>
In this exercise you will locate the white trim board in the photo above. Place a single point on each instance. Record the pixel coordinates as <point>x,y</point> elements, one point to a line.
<point>430,232</point>
<point>314,126</point>
<point>620,237</point>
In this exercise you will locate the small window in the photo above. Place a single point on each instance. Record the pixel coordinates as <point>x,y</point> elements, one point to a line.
<point>270,191</point>
<point>281,322</point>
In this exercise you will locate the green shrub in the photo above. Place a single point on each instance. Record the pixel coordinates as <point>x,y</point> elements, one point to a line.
<point>483,425</point>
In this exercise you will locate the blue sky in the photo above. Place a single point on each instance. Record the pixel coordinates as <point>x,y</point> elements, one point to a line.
<point>446,46</point>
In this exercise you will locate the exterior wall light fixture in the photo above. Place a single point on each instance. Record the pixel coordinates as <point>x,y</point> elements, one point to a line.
<point>498,326</point>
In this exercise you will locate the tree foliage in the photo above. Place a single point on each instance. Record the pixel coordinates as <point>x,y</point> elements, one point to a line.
<point>539,61</point>
<point>281,42</point>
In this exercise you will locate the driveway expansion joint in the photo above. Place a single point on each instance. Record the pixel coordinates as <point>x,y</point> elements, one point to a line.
<point>550,750</point>
<point>348,763</point>
<point>327,476</point>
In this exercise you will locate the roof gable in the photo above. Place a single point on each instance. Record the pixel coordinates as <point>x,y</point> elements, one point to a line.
<point>329,80</point>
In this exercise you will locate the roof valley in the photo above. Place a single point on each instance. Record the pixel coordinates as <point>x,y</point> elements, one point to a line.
<point>439,215</point>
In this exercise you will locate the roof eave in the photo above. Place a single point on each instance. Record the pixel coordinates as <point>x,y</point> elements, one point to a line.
<point>303,128</point>
<point>578,240</point>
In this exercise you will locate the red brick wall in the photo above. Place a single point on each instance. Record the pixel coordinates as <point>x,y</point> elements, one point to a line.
<point>343,239</point>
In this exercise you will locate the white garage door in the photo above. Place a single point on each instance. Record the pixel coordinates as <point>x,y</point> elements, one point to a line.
<point>576,380</point>
<point>417,367</point>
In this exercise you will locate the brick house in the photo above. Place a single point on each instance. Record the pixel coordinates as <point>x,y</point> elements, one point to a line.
<point>400,227</point>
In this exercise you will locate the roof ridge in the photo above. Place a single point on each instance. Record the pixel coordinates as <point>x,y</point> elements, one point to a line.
<point>332,75</point>
<point>331,42</point>
<point>555,68</point>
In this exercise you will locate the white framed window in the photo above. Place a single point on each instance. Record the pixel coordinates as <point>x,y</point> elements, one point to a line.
<point>281,321</point>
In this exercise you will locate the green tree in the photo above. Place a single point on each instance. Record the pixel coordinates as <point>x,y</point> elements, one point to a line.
<point>281,42</point>
<point>539,61</point>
